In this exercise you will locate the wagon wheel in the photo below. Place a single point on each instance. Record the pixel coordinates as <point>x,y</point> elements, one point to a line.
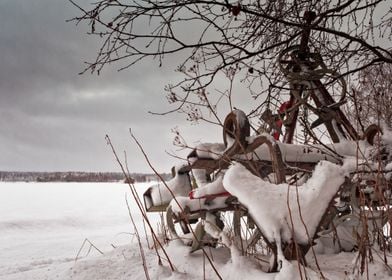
<point>179,225</point>
<point>291,63</point>
<point>189,227</point>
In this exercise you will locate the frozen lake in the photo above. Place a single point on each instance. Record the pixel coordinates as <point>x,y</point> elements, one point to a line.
<point>48,222</point>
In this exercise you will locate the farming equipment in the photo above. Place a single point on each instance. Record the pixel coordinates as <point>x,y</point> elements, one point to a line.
<point>198,210</point>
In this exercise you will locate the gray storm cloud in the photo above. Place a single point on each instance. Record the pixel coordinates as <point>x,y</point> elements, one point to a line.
<point>51,118</point>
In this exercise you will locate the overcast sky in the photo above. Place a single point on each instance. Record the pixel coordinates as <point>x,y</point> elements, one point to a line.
<point>52,119</point>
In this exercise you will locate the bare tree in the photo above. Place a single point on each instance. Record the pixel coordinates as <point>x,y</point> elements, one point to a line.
<point>286,54</point>
<point>239,41</point>
<point>371,98</point>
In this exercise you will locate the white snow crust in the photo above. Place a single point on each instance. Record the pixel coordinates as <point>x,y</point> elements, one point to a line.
<point>312,153</point>
<point>200,176</point>
<point>180,203</point>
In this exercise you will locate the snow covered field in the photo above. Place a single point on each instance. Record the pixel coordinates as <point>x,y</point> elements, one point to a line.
<point>43,226</point>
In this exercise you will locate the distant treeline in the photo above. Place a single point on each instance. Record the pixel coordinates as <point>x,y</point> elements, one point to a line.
<point>10,176</point>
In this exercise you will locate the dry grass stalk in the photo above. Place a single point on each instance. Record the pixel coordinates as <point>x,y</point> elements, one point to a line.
<point>91,246</point>
<point>143,256</point>
<point>140,206</point>
<point>174,197</point>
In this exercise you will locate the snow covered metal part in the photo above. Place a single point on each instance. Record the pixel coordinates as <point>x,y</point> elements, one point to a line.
<point>158,196</point>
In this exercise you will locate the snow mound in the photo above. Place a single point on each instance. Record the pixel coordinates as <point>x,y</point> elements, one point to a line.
<point>277,209</point>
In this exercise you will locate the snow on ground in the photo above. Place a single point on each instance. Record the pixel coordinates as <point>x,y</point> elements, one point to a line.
<point>43,225</point>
